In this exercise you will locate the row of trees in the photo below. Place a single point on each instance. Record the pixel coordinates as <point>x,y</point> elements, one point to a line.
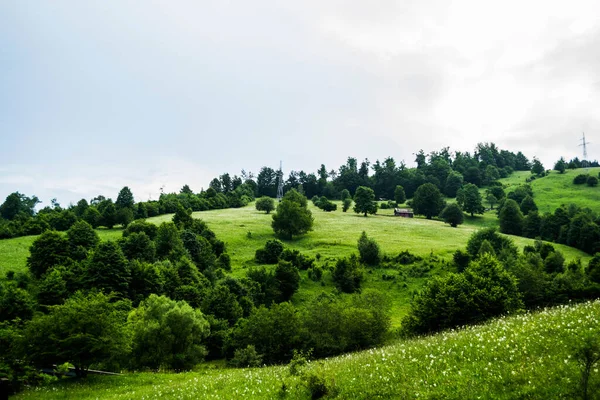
<point>445,170</point>
<point>18,215</point>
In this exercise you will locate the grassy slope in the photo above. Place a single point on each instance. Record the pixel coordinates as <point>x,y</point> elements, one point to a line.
<point>14,252</point>
<point>556,189</point>
<point>525,356</point>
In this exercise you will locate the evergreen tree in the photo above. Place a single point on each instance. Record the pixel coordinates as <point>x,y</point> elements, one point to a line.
<point>511,218</point>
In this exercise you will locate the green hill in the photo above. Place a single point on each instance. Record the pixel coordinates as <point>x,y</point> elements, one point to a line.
<point>530,356</point>
<point>555,189</point>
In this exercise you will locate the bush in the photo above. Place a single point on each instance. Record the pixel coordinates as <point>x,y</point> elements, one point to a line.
<point>246,358</point>
<point>270,253</point>
<point>580,179</point>
<point>315,273</point>
<point>265,204</point>
<point>167,334</point>
<point>499,242</point>
<point>298,259</point>
<point>368,250</point>
<point>592,181</point>
<point>483,291</point>
<point>348,275</point>
<point>326,205</point>
<point>346,204</point>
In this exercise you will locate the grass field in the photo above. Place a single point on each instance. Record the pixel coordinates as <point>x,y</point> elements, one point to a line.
<point>556,189</point>
<point>528,356</point>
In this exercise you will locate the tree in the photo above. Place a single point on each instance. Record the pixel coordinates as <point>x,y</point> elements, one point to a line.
<point>593,269</point>
<point>560,166</point>
<point>348,275</point>
<point>109,215</point>
<point>428,201</point>
<point>470,200</point>
<point>368,249</point>
<point>346,204</point>
<point>124,217</point>
<point>345,194</point>
<point>138,246</point>
<point>537,168</point>
<point>48,250</point>
<point>452,215</point>
<point>183,217</point>
<point>92,216</point>
<point>266,204</point>
<point>511,218</point>
<point>291,219</point>
<point>528,205</point>
<point>83,331</point>
<point>364,200</point>
<point>168,243</point>
<point>399,195</point>
<point>288,278</point>
<point>108,269</point>
<point>125,199</point>
<point>17,203</point>
<point>167,334</point>
<point>82,234</point>
<point>296,197</point>
<point>454,182</point>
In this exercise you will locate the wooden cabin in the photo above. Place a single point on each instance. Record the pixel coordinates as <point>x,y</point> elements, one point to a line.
<point>403,212</point>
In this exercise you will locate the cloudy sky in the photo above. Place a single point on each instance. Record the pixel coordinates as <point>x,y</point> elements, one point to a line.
<point>96,95</point>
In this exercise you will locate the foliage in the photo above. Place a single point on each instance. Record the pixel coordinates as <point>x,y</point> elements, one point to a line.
<point>470,199</point>
<point>82,234</point>
<point>511,218</point>
<point>368,250</point>
<point>48,250</point>
<point>125,199</point>
<point>292,219</point>
<point>167,334</point>
<point>427,201</point>
<point>288,279</point>
<point>580,179</point>
<point>399,195</point>
<point>592,181</point>
<point>500,243</point>
<point>183,217</point>
<point>560,165</point>
<point>246,358</point>
<point>83,331</point>
<point>528,205</point>
<point>326,205</point>
<point>364,201</point>
<point>537,168</point>
<point>346,204</point>
<point>108,269</point>
<point>274,332</point>
<point>453,215</point>
<point>453,183</point>
<point>138,246</point>
<point>593,269</point>
<point>270,253</point>
<point>266,204</point>
<point>348,275</point>
<point>484,290</point>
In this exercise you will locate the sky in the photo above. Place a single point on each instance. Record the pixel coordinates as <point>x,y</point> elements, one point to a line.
<point>97,95</point>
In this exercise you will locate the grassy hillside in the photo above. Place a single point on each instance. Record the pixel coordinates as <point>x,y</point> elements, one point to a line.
<point>14,252</point>
<point>526,356</point>
<point>556,189</point>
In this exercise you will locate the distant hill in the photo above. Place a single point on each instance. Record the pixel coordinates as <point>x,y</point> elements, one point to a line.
<point>556,189</point>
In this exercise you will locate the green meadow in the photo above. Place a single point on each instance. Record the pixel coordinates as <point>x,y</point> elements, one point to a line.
<point>528,356</point>
<point>551,191</point>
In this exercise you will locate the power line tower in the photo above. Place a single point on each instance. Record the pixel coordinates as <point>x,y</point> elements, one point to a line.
<point>584,144</point>
<point>280,185</point>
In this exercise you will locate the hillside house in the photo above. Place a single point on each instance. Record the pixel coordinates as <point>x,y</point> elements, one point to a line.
<point>403,212</point>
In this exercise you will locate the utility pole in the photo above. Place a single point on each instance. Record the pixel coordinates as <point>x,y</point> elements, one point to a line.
<point>584,162</point>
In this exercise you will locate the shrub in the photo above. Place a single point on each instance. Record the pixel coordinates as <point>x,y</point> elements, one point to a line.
<point>298,259</point>
<point>483,291</point>
<point>246,358</point>
<point>346,204</point>
<point>498,242</point>
<point>315,273</point>
<point>461,259</point>
<point>580,179</point>
<point>554,263</point>
<point>270,253</point>
<point>167,334</point>
<point>368,250</point>
<point>348,275</point>
<point>265,204</point>
<point>592,181</point>
<point>452,215</point>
